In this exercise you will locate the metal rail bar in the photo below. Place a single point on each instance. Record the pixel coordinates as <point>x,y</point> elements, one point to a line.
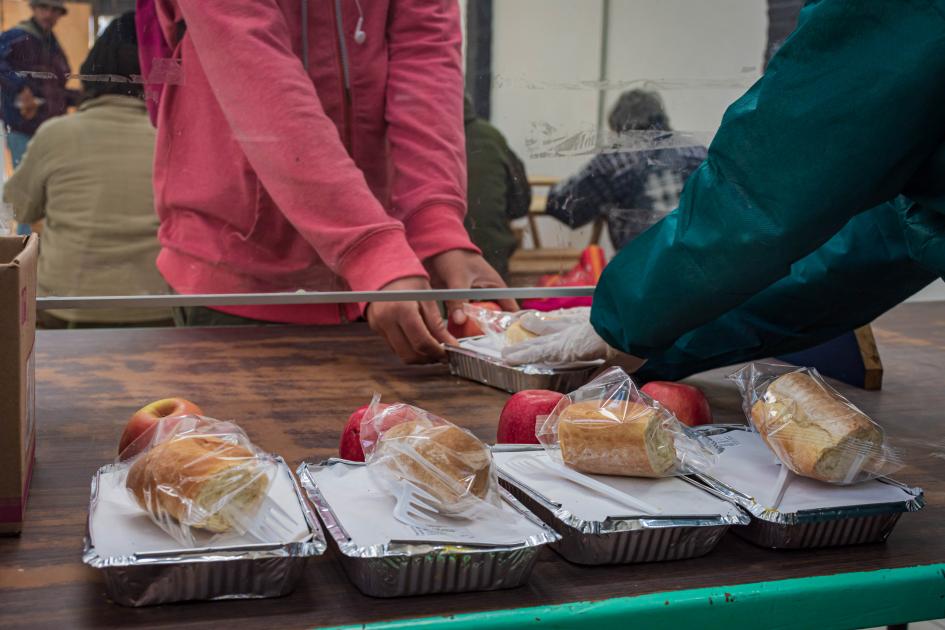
<point>305,297</point>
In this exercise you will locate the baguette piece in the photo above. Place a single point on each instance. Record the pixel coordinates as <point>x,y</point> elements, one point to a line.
<point>815,433</point>
<point>616,438</point>
<point>189,478</point>
<point>446,461</point>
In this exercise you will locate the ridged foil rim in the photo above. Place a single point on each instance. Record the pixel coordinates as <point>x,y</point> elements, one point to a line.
<point>315,546</point>
<point>914,504</point>
<point>351,549</point>
<point>612,525</point>
<point>524,369</point>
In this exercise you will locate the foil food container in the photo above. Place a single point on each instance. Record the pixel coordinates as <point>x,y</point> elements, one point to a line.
<point>480,368</point>
<point>209,573</point>
<point>813,528</point>
<point>622,540</point>
<point>400,569</point>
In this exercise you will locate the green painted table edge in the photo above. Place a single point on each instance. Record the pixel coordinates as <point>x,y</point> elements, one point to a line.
<point>845,600</point>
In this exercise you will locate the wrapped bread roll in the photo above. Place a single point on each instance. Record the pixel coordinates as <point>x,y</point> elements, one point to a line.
<point>616,438</point>
<point>815,432</point>
<point>516,333</point>
<point>443,459</point>
<point>193,478</point>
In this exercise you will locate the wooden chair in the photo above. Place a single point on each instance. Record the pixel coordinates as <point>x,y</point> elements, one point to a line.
<point>527,265</point>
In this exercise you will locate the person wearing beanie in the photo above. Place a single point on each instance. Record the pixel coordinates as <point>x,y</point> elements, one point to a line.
<point>89,176</point>
<point>27,100</point>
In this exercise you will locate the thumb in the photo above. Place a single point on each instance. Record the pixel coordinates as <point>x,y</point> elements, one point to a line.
<point>435,324</point>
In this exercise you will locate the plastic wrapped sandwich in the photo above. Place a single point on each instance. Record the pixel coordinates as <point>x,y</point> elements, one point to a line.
<point>811,428</point>
<point>609,427</point>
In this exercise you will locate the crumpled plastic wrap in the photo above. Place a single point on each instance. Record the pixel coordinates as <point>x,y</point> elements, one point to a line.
<point>405,443</point>
<point>811,428</point>
<point>197,475</point>
<point>610,427</point>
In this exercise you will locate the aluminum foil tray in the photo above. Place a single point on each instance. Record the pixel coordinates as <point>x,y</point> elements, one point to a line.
<point>476,367</point>
<point>231,572</point>
<point>808,529</point>
<point>623,541</point>
<point>401,569</point>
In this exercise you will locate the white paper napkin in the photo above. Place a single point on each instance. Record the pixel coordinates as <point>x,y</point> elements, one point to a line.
<point>675,497</point>
<point>749,466</point>
<point>120,528</point>
<point>365,512</point>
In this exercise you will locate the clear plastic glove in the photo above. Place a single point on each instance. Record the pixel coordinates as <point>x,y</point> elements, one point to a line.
<point>576,342</point>
<point>564,336</point>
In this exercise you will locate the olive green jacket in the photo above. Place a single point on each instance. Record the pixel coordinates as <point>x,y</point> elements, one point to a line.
<point>498,191</point>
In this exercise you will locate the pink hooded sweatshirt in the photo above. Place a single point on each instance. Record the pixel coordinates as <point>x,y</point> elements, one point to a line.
<point>291,158</point>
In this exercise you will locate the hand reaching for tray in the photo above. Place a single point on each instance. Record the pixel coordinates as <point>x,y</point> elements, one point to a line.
<point>565,336</point>
<point>414,330</point>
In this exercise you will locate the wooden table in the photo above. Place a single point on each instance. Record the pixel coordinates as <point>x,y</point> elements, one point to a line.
<point>292,388</point>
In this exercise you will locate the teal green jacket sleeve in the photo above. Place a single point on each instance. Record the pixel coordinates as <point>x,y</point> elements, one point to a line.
<point>876,261</point>
<point>847,113</point>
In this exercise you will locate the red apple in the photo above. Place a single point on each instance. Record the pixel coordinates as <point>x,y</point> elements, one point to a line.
<point>135,436</point>
<point>518,417</point>
<point>686,402</point>
<point>349,447</point>
<point>470,328</point>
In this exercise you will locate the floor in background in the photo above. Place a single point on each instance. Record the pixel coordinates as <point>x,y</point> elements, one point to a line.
<point>933,292</point>
<point>923,625</point>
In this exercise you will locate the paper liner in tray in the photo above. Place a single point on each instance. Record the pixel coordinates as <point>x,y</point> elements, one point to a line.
<point>384,558</point>
<point>473,362</point>
<point>810,513</point>
<point>144,566</point>
<point>594,530</point>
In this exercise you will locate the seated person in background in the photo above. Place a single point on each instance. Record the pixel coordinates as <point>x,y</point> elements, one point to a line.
<point>89,176</point>
<point>497,190</point>
<point>636,183</point>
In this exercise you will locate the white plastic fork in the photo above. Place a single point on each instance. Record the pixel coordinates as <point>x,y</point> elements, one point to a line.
<point>533,465</point>
<point>415,507</point>
<point>418,508</point>
<point>272,524</point>
<point>785,476</point>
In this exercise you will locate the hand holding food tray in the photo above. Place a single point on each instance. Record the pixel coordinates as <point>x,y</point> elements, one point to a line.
<point>480,358</point>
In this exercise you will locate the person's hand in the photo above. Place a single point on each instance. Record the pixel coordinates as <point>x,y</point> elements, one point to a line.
<point>414,330</point>
<point>565,336</point>
<point>27,103</point>
<point>462,269</point>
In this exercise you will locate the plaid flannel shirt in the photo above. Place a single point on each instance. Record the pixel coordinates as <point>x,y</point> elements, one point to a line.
<point>632,188</point>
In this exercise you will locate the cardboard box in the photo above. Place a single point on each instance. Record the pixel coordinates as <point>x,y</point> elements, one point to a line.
<point>18,255</point>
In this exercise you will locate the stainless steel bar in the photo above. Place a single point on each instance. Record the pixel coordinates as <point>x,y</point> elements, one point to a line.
<point>305,297</point>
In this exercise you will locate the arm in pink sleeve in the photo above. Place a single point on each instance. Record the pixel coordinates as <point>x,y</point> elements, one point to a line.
<point>425,124</point>
<point>276,116</point>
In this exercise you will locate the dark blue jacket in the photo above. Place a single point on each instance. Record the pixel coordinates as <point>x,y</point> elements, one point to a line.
<point>31,58</point>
